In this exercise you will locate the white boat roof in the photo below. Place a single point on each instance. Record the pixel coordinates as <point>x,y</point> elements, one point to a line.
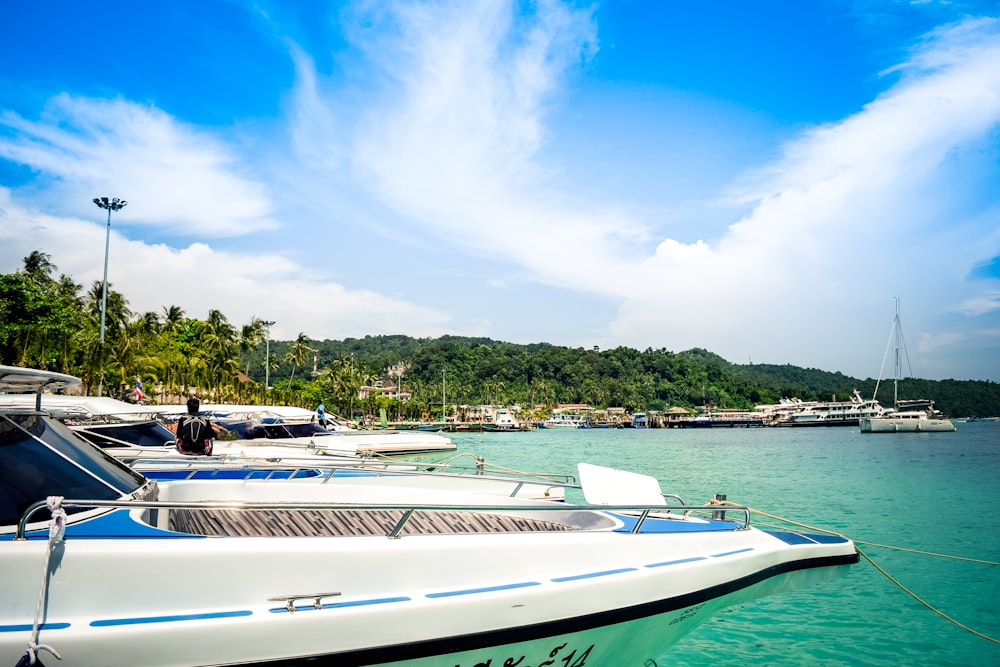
<point>18,379</point>
<point>225,409</point>
<point>87,405</point>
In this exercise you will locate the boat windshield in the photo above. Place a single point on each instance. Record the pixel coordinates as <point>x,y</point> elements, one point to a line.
<point>143,434</point>
<point>278,431</point>
<point>41,457</point>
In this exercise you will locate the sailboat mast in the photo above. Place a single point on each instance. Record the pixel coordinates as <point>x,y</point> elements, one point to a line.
<point>895,374</point>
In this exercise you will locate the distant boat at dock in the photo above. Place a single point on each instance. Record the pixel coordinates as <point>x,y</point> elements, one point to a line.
<point>723,419</point>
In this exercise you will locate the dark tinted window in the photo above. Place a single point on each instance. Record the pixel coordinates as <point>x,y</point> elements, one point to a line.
<point>143,434</point>
<point>31,470</point>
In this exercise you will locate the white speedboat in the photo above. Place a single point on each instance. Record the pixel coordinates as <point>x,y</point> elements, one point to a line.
<point>145,444</point>
<point>105,567</point>
<point>257,431</point>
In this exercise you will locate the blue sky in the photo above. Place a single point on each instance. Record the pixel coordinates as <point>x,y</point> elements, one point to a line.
<point>757,179</point>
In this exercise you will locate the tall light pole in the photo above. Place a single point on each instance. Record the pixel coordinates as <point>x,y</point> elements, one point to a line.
<point>443,371</point>
<point>111,204</point>
<point>267,354</point>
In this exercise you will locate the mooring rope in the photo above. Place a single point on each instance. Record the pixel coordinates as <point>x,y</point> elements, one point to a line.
<point>56,530</point>
<point>927,553</point>
<point>927,604</point>
<point>888,576</point>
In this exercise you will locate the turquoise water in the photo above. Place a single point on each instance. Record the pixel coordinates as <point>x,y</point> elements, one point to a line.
<point>936,492</point>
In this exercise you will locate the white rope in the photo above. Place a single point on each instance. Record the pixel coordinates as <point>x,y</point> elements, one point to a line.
<point>56,531</point>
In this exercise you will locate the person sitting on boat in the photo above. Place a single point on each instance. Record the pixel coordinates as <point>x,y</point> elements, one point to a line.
<point>194,431</point>
<point>321,415</point>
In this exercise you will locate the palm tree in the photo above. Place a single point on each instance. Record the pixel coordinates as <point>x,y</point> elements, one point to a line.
<point>116,316</point>
<point>38,268</point>
<point>542,392</point>
<point>251,335</point>
<point>173,316</point>
<point>298,353</point>
<point>219,343</point>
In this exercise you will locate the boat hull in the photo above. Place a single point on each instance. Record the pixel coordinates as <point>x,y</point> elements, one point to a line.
<point>109,611</point>
<point>722,423</point>
<point>893,425</point>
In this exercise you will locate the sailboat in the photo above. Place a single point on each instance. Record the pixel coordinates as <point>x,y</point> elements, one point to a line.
<point>907,416</point>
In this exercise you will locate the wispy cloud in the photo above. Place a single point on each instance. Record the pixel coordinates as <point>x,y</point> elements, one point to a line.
<point>450,140</point>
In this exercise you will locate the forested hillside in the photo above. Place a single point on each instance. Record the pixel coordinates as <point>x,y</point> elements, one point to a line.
<point>475,370</point>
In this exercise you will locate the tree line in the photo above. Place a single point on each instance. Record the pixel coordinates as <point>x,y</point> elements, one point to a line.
<point>53,323</point>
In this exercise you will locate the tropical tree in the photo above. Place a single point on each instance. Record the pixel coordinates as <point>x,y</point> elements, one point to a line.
<point>218,343</point>
<point>298,353</point>
<point>173,318</point>
<point>38,268</point>
<point>251,335</point>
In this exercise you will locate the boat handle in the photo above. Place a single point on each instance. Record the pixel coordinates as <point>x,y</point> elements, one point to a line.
<point>289,600</point>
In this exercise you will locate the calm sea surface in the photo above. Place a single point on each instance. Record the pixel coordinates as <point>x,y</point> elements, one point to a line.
<point>935,492</point>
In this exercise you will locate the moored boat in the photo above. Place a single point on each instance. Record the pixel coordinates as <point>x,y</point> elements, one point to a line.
<point>503,420</point>
<point>250,431</point>
<point>833,413</point>
<point>564,420</point>
<point>906,416</point>
<point>917,416</point>
<point>242,573</point>
<point>723,419</point>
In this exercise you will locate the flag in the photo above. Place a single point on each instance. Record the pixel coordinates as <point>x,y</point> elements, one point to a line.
<point>139,396</point>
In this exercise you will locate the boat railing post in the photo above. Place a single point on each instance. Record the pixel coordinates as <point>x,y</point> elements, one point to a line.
<point>641,520</point>
<point>398,528</point>
<point>719,515</point>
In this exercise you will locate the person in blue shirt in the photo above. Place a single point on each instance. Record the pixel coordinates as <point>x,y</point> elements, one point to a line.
<point>321,415</point>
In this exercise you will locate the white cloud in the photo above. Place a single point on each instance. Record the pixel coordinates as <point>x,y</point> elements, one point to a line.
<point>199,278</point>
<point>177,177</point>
<point>981,304</point>
<point>850,216</point>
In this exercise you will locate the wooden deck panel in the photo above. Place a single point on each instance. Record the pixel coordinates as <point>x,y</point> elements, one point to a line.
<point>319,523</point>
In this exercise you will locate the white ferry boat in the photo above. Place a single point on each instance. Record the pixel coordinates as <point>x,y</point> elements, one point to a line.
<point>834,413</point>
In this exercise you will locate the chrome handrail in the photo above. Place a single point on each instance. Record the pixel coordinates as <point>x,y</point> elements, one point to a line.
<point>408,509</point>
<point>233,462</point>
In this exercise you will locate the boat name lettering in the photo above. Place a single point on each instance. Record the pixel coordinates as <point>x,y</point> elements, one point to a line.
<point>686,614</point>
<point>571,659</point>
